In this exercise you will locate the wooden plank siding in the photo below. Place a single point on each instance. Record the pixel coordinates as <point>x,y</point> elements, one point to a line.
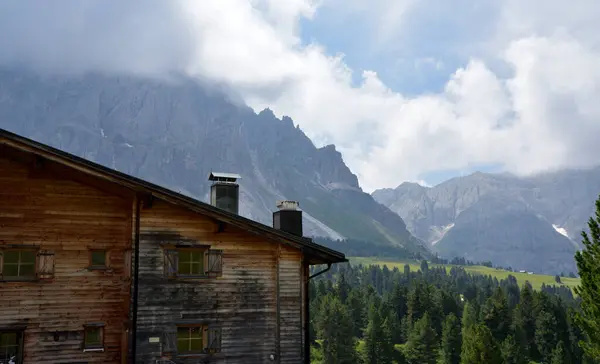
<point>290,306</point>
<point>52,212</point>
<point>242,302</point>
<point>252,300</point>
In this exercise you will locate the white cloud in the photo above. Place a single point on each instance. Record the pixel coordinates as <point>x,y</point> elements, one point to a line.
<point>526,98</point>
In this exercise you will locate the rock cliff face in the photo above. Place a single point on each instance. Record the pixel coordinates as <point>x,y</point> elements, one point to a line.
<point>175,132</point>
<point>526,223</point>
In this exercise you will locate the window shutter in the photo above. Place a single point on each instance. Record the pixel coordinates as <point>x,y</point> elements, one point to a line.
<point>214,340</point>
<point>169,342</point>
<point>215,263</point>
<point>45,264</point>
<point>171,262</point>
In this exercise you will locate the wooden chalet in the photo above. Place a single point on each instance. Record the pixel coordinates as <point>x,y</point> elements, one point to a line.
<point>100,267</point>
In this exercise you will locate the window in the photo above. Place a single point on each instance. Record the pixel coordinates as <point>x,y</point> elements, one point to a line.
<point>10,347</point>
<point>26,264</point>
<point>193,262</point>
<point>18,264</point>
<point>190,339</point>
<point>198,339</point>
<point>97,259</point>
<point>93,336</point>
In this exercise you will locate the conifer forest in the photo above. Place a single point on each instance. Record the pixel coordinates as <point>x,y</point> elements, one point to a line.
<point>374,315</point>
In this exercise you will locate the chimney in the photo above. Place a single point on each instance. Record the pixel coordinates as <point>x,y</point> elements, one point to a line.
<point>225,192</point>
<point>288,218</point>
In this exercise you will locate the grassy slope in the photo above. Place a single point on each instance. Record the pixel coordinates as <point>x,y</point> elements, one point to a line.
<point>536,280</point>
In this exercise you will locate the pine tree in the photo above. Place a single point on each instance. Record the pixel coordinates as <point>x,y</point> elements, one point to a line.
<point>524,322</point>
<point>479,346</point>
<point>469,318</point>
<point>588,265</point>
<point>512,351</point>
<point>424,266</point>
<point>496,315</point>
<point>451,341</point>
<point>387,341</point>
<point>378,341</point>
<point>395,327</point>
<point>545,334</point>
<point>398,300</point>
<point>358,312</point>
<point>559,354</point>
<point>421,347</point>
<point>334,328</point>
<point>343,288</point>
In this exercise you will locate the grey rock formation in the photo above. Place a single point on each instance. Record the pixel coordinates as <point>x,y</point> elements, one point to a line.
<point>527,223</point>
<point>174,132</point>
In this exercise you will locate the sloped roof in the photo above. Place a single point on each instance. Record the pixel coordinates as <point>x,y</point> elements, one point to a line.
<point>319,254</point>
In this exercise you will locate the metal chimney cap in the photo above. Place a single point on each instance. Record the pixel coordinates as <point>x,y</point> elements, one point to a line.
<point>288,205</point>
<point>223,177</point>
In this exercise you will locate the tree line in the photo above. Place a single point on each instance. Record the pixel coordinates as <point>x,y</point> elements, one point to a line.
<point>374,315</point>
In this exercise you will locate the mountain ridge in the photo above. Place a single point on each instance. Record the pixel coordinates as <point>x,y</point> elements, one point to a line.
<point>174,133</point>
<point>451,215</point>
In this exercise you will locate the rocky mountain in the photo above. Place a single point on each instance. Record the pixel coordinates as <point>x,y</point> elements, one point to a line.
<point>529,223</point>
<point>174,132</point>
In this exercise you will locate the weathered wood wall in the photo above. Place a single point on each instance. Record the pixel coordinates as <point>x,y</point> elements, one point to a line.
<point>45,208</point>
<point>242,302</point>
<point>290,306</point>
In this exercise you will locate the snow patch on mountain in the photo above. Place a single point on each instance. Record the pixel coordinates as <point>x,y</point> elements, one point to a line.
<point>440,231</point>
<point>561,231</point>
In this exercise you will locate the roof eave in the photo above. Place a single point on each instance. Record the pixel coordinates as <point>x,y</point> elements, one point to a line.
<point>142,186</point>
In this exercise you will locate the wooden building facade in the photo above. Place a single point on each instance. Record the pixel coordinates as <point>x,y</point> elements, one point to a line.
<point>101,267</point>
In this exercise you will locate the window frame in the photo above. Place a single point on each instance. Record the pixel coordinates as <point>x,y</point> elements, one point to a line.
<point>91,266</point>
<point>27,278</point>
<point>202,251</point>
<point>171,256</point>
<point>202,327</point>
<point>206,335</point>
<point>20,343</point>
<point>93,347</point>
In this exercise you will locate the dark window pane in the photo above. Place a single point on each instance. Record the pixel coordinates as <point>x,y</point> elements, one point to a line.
<point>27,270</point>
<point>183,268</point>
<point>9,346</point>
<point>183,333</point>
<point>99,258</point>
<point>196,268</point>
<point>92,336</point>
<point>196,332</point>
<point>10,270</point>
<point>183,345</point>
<point>196,345</point>
<point>11,256</point>
<point>184,256</point>
<point>28,256</point>
<point>196,256</point>
<point>8,338</point>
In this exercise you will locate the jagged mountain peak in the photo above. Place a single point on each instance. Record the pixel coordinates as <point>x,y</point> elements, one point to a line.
<point>412,186</point>
<point>175,133</point>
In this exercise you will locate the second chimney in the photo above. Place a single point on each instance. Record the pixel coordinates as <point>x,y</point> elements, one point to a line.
<point>288,218</point>
<point>225,192</point>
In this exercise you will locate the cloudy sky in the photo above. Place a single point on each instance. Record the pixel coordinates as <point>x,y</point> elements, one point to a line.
<point>407,90</point>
